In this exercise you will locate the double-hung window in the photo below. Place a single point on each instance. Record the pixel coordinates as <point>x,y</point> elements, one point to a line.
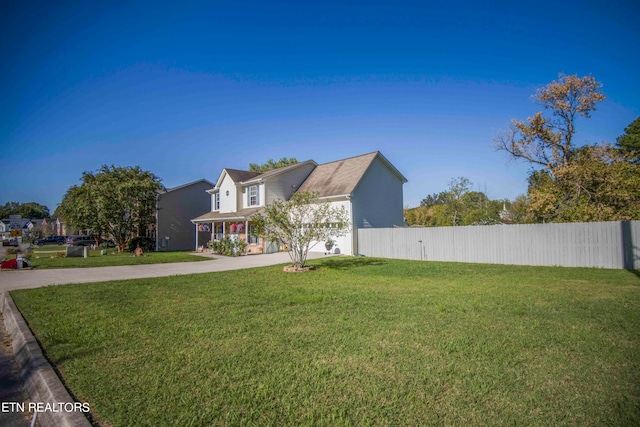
<point>253,199</point>
<point>216,202</point>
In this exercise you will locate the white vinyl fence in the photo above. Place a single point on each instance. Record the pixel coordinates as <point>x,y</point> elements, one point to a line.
<point>594,244</point>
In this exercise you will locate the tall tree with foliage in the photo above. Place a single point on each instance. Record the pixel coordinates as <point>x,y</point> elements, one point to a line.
<point>629,142</point>
<point>117,201</point>
<point>79,208</point>
<point>588,183</point>
<point>518,210</point>
<point>600,184</point>
<point>433,200</point>
<point>548,141</point>
<point>455,203</point>
<point>300,222</point>
<point>271,164</point>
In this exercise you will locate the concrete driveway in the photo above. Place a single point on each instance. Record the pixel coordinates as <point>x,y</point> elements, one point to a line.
<point>25,279</point>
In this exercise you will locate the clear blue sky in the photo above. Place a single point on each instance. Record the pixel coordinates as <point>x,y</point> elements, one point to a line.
<point>184,89</point>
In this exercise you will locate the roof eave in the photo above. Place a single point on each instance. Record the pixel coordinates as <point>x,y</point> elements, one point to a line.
<point>252,181</point>
<point>335,196</point>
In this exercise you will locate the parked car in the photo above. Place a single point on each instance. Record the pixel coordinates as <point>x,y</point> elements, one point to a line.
<point>108,243</point>
<point>10,242</point>
<point>51,240</point>
<point>81,241</point>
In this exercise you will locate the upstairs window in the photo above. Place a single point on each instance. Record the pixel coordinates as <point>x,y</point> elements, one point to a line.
<point>216,202</point>
<point>253,199</point>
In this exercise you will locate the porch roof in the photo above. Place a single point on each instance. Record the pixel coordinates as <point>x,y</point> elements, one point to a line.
<point>241,215</point>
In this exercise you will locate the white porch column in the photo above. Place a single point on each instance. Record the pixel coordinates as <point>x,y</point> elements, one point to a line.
<point>196,226</point>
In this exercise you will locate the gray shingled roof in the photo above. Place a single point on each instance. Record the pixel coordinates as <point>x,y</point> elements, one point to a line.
<point>330,179</point>
<point>338,178</point>
<point>167,190</point>
<point>268,174</point>
<point>239,175</point>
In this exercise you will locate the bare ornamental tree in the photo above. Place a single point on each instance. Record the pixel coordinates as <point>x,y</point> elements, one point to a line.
<point>548,141</point>
<point>301,222</point>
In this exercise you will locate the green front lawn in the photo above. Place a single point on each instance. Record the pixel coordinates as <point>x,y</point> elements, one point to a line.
<point>360,341</point>
<point>46,257</point>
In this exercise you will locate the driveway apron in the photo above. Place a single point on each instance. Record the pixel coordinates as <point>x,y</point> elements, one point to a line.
<point>26,279</point>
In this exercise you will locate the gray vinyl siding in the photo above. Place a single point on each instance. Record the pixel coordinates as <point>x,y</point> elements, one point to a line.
<point>176,208</point>
<point>595,244</point>
<point>282,186</point>
<point>377,200</point>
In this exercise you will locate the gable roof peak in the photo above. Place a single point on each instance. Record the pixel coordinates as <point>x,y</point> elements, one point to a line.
<point>340,177</point>
<point>167,190</point>
<point>239,176</point>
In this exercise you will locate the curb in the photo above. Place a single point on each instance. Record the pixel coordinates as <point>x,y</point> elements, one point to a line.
<point>40,380</point>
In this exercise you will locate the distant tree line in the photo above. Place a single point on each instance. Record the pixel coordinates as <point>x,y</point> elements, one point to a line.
<point>30,210</point>
<point>461,205</point>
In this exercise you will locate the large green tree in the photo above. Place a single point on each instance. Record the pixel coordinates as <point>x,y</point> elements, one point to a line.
<point>300,222</point>
<point>79,208</point>
<point>455,202</point>
<point>600,184</point>
<point>271,164</point>
<point>629,142</point>
<point>433,199</point>
<point>30,210</point>
<point>547,141</point>
<point>115,201</point>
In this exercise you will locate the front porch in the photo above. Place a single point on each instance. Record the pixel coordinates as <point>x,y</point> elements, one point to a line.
<point>235,226</point>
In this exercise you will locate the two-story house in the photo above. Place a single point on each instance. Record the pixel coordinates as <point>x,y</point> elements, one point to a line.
<point>368,186</point>
<point>175,207</point>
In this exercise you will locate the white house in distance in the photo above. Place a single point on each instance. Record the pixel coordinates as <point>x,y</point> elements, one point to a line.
<point>368,186</point>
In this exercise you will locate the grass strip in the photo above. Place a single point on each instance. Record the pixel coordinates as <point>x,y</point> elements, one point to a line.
<point>47,260</point>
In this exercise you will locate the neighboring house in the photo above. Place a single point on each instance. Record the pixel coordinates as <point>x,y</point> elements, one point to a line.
<point>368,186</point>
<point>56,227</point>
<point>175,209</point>
<point>25,225</point>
